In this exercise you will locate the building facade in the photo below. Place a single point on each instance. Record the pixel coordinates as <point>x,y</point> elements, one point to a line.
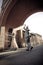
<point>35,39</point>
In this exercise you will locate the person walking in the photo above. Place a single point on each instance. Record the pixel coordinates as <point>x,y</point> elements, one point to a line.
<point>27,38</point>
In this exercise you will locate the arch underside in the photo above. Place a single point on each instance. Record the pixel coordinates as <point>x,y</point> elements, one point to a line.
<point>15,15</point>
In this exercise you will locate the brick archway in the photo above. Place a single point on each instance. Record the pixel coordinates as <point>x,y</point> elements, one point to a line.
<point>20,11</point>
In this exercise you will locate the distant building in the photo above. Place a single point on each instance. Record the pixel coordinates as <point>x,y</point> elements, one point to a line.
<point>36,39</point>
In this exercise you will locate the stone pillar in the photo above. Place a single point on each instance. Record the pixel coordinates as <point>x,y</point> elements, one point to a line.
<point>22,39</point>
<point>14,43</point>
<point>2,38</point>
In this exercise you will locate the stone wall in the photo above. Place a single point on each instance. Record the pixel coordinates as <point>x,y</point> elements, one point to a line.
<point>19,39</point>
<point>35,39</point>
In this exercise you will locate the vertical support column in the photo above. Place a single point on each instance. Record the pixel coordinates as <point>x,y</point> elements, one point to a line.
<point>2,36</point>
<point>21,33</point>
<point>14,43</point>
<point>22,39</point>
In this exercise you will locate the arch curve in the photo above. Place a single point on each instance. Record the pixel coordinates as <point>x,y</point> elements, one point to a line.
<point>16,14</point>
<point>6,11</point>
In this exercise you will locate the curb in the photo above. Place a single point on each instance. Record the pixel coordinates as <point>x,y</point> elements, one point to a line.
<point>13,51</point>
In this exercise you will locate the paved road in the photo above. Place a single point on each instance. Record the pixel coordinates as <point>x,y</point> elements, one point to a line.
<point>34,57</point>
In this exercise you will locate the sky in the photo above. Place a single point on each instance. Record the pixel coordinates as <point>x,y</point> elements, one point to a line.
<point>35,23</point>
<point>0,4</point>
